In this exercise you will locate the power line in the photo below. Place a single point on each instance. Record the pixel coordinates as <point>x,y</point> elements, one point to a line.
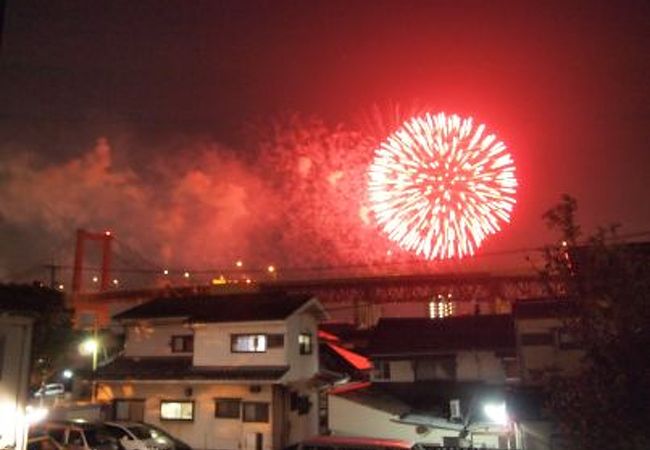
<point>151,268</point>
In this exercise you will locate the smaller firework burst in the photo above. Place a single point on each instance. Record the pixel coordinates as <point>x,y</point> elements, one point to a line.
<point>438,186</point>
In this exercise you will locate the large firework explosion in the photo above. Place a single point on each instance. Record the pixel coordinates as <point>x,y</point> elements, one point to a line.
<point>438,186</point>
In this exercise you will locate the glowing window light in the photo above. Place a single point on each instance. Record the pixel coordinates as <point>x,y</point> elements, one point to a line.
<point>441,308</point>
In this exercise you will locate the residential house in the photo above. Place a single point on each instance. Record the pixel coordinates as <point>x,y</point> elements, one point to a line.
<point>437,382</point>
<point>462,348</point>
<point>237,371</point>
<point>545,344</point>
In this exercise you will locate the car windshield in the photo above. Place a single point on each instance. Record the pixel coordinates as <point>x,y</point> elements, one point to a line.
<point>98,437</point>
<point>141,432</point>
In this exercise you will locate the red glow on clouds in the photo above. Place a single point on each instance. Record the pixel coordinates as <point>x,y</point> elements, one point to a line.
<point>439,185</point>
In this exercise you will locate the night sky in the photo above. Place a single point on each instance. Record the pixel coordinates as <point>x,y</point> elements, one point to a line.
<point>564,84</point>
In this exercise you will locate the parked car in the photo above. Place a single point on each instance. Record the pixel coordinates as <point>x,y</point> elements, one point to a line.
<point>38,439</point>
<point>142,436</point>
<point>82,435</point>
<point>50,390</point>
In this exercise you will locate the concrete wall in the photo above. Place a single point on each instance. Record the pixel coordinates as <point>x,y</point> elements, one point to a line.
<point>153,339</point>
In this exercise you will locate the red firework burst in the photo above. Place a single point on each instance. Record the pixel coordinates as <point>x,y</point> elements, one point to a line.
<point>438,186</point>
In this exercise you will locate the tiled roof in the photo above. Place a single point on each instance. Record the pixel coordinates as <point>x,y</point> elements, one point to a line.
<point>180,368</point>
<point>359,362</point>
<point>220,308</point>
<point>338,359</point>
<point>413,336</point>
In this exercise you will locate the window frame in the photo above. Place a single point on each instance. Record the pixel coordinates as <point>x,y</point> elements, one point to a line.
<point>267,413</point>
<point>306,348</point>
<point>228,399</point>
<point>130,402</point>
<point>235,336</point>
<point>381,369</point>
<point>187,343</point>
<point>192,402</point>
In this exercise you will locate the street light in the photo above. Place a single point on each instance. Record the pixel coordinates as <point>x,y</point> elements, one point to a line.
<point>496,412</point>
<point>90,347</point>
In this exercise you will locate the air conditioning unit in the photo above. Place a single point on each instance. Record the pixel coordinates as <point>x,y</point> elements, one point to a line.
<point>455,414</point>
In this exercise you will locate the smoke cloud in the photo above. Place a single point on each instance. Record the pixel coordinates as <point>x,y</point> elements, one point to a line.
<point>296,200</point>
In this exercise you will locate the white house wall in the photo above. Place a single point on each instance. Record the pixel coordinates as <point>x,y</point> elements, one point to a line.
<point>305,425</point>
<point>479,365</point>
<point>146,339</point>
<point>401,371</point>
<point>212,344</point>
<point>541,357</point>
<point>302,367</point>
<point>470,366</point>
<point>205,431</point>
<point>347,418</point>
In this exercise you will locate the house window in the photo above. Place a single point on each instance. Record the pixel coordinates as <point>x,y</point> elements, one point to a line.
<point>566,340</point>
<point>256,412</point>
<point>537,339</point>
<point>183,344</point>
<point>128,410</point>
<point>305,343</point>
<point>248,343</point>
<point>382,370</point>
<point>227,408</point>
<point>275,340</point>
<point>441,367</point>
<point>177,410</point>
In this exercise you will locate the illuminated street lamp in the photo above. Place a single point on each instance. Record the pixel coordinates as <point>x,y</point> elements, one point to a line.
<point>496,412</point>
<point>90,347</point>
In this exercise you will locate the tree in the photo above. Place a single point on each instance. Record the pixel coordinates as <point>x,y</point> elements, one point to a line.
<point>608,282</point>
<point>52,333</point>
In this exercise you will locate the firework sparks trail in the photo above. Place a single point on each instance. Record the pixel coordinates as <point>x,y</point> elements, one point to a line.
<point>439,186</point>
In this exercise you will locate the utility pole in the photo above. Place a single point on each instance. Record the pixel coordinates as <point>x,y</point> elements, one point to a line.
<point>53,272</point>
